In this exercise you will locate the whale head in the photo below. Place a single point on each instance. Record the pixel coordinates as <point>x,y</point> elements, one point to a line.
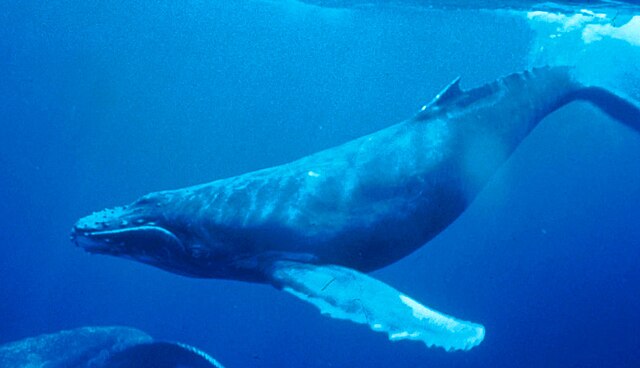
<point>156,229</point>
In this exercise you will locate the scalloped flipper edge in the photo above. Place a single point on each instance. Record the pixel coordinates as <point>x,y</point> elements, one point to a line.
<point>343,293</point>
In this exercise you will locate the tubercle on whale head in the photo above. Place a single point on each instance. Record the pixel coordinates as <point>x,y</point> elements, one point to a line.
<point>152,230</point>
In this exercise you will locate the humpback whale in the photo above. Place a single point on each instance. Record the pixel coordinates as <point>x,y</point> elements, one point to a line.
<point>101,347</point>
<point>314,227</point>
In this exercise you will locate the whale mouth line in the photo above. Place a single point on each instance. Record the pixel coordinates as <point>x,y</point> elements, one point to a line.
<point>118,241</point>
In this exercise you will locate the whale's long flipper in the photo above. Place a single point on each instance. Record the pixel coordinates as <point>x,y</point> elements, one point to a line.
<point>344,293</point>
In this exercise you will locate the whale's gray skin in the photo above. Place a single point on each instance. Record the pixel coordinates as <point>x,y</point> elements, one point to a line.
<point>101,347</point>
<point>312,226</point>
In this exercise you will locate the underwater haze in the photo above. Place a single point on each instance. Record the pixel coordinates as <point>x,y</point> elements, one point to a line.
<point>102,102</point>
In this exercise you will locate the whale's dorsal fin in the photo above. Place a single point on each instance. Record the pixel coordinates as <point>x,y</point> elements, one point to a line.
<point>347,294</point>
<point>448,94</point>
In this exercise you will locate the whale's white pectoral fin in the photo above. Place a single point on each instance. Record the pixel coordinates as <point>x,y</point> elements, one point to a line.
<point>344,293</point>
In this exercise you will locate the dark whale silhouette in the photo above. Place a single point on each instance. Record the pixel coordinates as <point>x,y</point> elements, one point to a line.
<point>313,226</point>
<point>101,347</point>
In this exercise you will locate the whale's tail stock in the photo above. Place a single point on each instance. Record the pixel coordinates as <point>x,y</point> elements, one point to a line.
<point>622,109</point>
<point>613,103</point>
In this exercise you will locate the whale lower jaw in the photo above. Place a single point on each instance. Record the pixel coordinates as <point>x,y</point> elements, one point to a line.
<point>121,241</point>
<point>91,245</point>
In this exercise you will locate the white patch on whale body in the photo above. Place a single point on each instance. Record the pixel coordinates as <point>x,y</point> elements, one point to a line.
<point>253,207</point>
<point>267,209</point>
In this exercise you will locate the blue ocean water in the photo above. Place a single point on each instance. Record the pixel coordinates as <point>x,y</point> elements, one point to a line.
<point>103,102</point>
